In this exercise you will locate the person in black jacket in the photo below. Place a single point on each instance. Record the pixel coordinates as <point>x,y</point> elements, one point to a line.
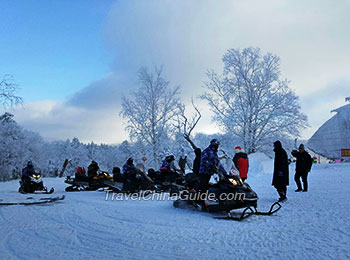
<point>182,162</point>
<point>117,175</point>
<point>27,171</point>
<point>192,179</point>
<point>197,161</point>
<point>302,167</point>
<point>281,171</point>
<point>92,169</point>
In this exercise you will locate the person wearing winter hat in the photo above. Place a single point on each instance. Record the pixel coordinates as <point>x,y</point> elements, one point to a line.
<point>129,173</point>
<point>209,164</point>
<point>280,171</point>
<point>27,171</point>
<point>302,167</point>
<point>92,169</point>
<point>168,169</point>
<point>129,167</point>
<point>241,162</point>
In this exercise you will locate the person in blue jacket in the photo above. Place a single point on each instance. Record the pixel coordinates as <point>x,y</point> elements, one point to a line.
<point>27,171</point>
<point>129,172</point>
<point>129,166</point>
<point>209,164</point>
<point>168,169</point>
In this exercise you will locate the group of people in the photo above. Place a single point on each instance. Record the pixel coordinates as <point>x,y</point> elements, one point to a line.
<point>91,173</point>
<point>281,169</point>
<point>207,162</point>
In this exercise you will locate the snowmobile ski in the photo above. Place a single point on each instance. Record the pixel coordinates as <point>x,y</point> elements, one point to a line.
<point>247,212</point>
<point>114,188</point>
<point>44,191</point>
<point>38,202</point>
<point>271,211</point>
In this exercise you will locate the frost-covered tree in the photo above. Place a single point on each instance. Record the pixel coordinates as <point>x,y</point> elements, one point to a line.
<point>151,110</point>
<point>10,136</point>
<point>250,100</point>
<point>76,153</point>
<point>8,89</point>
<point>17,146</point>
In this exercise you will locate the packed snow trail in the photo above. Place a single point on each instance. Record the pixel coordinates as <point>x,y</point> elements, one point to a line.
<point>311,225</point>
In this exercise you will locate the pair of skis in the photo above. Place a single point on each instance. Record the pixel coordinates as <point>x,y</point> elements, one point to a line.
<point>35,202</point>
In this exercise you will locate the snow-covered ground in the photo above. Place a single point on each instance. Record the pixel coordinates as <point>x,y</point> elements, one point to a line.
<point>313,225</point>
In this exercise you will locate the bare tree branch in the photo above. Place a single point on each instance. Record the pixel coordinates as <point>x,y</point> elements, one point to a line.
<point>186,126</point>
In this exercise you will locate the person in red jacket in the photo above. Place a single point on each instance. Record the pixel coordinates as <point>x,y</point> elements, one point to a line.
<point>241,162</point>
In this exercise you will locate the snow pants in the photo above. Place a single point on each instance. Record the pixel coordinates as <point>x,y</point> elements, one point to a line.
<point>303,176</point>
<point>204,182</point>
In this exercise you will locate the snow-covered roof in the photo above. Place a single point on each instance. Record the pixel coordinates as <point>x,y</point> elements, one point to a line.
<point>333,135</point>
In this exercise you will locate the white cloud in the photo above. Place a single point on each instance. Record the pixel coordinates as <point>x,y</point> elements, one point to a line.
<point>188,37</point>
<point>59,121</point>
<point>309,36</point>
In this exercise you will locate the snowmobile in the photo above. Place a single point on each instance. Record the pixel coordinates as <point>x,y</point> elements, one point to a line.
<point>227,195</point>
<point>137,181</point>
<point>172,182</point>
<point>83,183</point>
<point>34,184</point>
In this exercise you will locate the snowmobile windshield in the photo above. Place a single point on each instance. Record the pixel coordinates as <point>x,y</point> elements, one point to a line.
<point>140,167</point>
<point>221,171</point>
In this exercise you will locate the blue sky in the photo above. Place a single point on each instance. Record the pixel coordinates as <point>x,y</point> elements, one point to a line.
<point>74,59</point>
<point>53,48</point>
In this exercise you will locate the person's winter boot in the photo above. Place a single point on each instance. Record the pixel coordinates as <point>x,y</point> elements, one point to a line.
<point>283,199</point>
<point>298,190</point>
<point>305,187</point>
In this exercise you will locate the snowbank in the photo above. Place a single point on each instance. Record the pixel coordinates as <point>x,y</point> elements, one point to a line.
<point>259,163</point>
